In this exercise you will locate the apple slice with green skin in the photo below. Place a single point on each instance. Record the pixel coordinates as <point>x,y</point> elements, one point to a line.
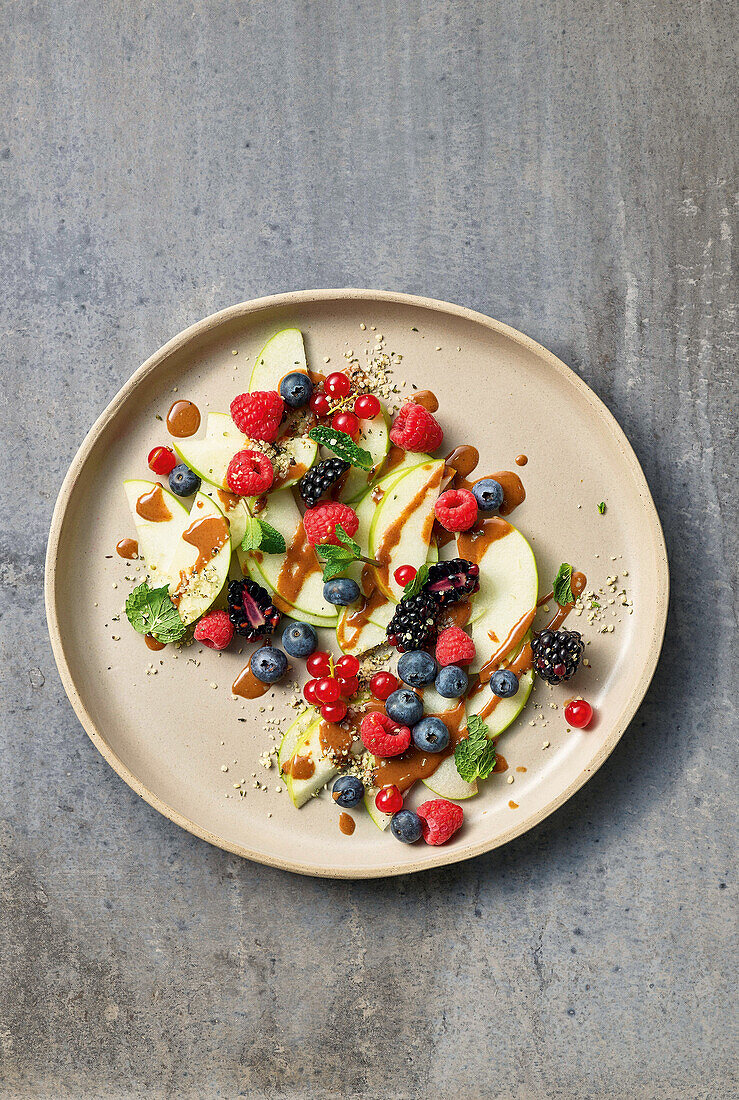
<point>509,586</point>
<point>506,710</point>
<point>209,453</point>
<point>308,747</point>
<point>294,732</point>
<point>446,780</point>
<point>283,354</point>
<point>400,533</point>
<point>170,555</point>
<point>373,437</point>
<point>307,603</point>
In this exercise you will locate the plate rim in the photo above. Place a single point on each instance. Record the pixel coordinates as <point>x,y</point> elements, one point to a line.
<point>442,856</point>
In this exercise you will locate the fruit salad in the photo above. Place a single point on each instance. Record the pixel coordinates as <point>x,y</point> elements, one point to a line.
<point>331,536</point>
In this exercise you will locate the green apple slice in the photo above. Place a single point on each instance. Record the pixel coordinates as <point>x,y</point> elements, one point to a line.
<point>509,586</point>
<point>308,746</point>
<point>506,710</point>
<point>170,556</point>
<point>209,453</point>
<point>307,604</point>
<point>373,437</point>
<point>283,354</point>
<point>294,732</point>
<point>446,780</point>
<point>400,533</point>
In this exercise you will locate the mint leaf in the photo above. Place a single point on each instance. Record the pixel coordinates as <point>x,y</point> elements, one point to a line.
<point>334,569</point>
<point>414,587</point>
<point>563,585</point>
<point>602,507</point>
<point>487,759</point>
<point>151,611</point>
<point>272,541</point>
<point>252,539</point>
<point>466,761</point>
<point>477,728</point>
<point>326,551</point>
<point>342,445</point>
<point>347,541</point>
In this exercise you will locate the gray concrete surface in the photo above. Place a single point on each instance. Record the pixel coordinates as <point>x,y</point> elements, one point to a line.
<point>563,166</point>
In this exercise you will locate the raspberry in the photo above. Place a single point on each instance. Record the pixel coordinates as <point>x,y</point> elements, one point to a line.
<point>215,630</point>
<point>383,737</point>
<point>320,522</point>
<point>456,510</point>
<point>249,473</point>
<point>440,820</point>
<point>258,414</point>
<point>415,429</point>
<point>454,647</point>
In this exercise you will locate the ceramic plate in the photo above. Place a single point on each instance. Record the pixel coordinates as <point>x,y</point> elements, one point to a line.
<point>169,725</point>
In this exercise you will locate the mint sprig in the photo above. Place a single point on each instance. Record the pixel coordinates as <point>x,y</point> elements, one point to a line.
<point>563,585</point>
<point>342,445</point>
<point>151,611</point>
<point>260,535</point>
<point>414,587</point>
<point>475,756</point>
<point>337,559</point>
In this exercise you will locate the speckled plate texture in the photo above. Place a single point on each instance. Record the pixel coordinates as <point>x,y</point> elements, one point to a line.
<point>171,734</point>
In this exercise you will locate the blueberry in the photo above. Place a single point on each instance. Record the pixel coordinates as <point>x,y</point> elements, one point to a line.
<point>341,591</point>
<point>430,735</point>
<point>404,706</point>
<point>299,639</point>
<point>268,664</point>
<point>183,482</point>
<point>488,494</point>
<point>452,682</point>
<point>296,389</point>
<point>405,826</point>
<point>348,790</point>
<point>417,668</point>
<point>504,683</point>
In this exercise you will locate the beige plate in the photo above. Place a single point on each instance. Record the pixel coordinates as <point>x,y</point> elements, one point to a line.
<point>168,735</point>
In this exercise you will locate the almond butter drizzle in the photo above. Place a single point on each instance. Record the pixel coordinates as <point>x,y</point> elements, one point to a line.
<point>501,764</point>
<point>183,419</point>
<point>426,399</point>
<point>292,473</point>
<point>393,533</point>
<point>127,548</point>
<point>521,460</point>
<point>248,687</point>
<point>228,500</point>
<point>457,614</point>
<point>335,741</point>
<point>347,824</point>
<point>208,536</point>
<point>152,506</point>
<point>577,584</point>
<point>300,561</point>
<point>473,544</point>
<point>153,643</point>
<point>513,805</point>
<point>299,767</point>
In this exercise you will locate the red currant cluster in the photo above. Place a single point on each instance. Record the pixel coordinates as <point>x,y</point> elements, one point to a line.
<point>332,684</point>
<point>388,799</point>
<point>335,397</point>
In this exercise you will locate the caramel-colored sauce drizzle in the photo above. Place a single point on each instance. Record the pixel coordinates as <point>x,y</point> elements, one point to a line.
<point>472,544</point>
<point>299,767</point>
<point>521,460</point>
<point>513,805</point>
<point>300,561</point>
<point>127,548</point>
<point>247,686</point>
<point>228,500</point>
<point>415,764</point>
<point>426,399</point>
<point>295,471</point>
<point>347,824</point>
<point>501,764</point>
<point>183,419</point>
<point>152,506</point>
<point>456,614</point>
<point>153,643</point>
<point>577,584</point>
<point>335,740</point>
<point>208,536</point>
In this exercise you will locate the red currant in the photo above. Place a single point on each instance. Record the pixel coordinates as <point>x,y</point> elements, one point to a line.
<point>389,800</point>
<point>346,422</point>
<point>383,684</point>
<point>333,712</point>
<point>318,664</point>
<point>367,406</point>
<point>327,690</point>
<point>162,460</point>
<point>320,404</point>
<point>404,574</point>
<point>348,686</point>
<point>347,666</point>
<point>338,385</point>
<point>579,714</point>
<point>309,691</point>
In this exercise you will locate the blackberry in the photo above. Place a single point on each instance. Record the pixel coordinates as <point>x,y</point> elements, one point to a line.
<point>251,610</point>
<point>318,480</point>
<point>413,625</point>
<point>557,654</point>
<point>452,581</point>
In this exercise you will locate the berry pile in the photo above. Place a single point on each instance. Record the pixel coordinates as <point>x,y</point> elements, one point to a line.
<point>337,400</point>
<point>332,684</point>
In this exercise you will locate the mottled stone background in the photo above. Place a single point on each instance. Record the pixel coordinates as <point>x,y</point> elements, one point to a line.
<point>564,165</point>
